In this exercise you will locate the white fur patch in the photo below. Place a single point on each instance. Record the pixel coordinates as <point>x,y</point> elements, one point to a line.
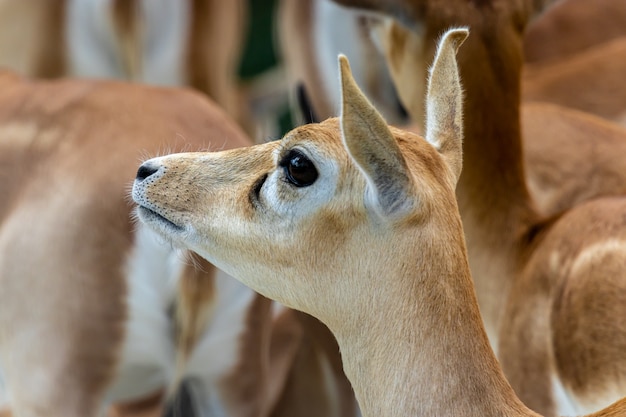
<point>17,134</point>
<point>596,251</point>
<point>148,354</point>
<point>281,196</point>
<point>92,45</point>
<point>565,406</point>
<point>336,31</point>
<point>167,27</point>
<point>94,49</point>
<point>217,351</point>
<point>340,30</point>
<point>4,396</point>
<point>569,404</point>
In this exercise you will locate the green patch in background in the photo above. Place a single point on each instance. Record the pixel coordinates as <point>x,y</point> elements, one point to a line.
<point>260,52</point>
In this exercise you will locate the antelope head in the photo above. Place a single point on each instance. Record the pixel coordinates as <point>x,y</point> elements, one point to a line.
<point>321,219</point>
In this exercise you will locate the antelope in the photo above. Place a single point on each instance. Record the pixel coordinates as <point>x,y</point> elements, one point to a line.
<point>356,223</point>
<point>96,309</point>
<point>184,42</point>
<point>540,280</point>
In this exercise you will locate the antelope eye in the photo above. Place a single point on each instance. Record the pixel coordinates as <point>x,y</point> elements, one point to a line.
<point>299,169</point>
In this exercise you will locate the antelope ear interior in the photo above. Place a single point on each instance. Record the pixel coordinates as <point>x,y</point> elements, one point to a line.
<point>373,148</point>
<point>444,101</point>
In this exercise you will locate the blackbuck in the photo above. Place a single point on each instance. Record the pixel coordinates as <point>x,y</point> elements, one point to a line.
<point>97,309</point>
<point>551,289</point>
<point>196,43</point>
<point>356,223</point>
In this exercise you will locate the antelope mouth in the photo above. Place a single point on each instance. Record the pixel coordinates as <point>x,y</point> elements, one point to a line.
<point>157,220</point>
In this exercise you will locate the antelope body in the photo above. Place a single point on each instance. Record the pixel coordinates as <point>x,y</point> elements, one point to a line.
<point>355,223</point>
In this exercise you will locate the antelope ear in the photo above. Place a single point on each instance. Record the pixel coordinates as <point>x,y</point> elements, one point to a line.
<point>375,151</point>
<point>444,101</point>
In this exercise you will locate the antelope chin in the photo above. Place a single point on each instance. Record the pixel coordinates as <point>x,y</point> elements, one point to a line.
<point>160,223</point>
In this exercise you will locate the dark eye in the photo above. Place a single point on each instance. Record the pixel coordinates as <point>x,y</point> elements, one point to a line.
<point>299,169</point>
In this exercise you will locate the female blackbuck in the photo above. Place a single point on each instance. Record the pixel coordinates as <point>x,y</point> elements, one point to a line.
<point>551,290</point>
<point>95,308</point>
<point>354,222</point>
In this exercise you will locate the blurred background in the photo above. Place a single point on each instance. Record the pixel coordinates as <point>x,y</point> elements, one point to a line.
<point>228,49</point>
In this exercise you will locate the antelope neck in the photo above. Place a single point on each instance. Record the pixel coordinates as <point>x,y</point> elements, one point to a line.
<point>493,172</point>
<point>425,352</point>
<point>494,201</point>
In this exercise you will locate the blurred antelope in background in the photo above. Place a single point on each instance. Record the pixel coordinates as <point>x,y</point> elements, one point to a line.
<point>196,43</point>
<point>95,309</point>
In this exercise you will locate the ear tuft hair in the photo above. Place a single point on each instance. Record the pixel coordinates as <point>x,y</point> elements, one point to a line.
<point>444,100</point>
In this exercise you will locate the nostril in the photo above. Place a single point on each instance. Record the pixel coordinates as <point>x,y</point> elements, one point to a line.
<point>145,170</point>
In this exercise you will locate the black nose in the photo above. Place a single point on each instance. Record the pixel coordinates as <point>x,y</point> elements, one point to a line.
<point>145,170</point>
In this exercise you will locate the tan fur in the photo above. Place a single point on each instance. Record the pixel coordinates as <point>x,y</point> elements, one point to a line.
<point>127,24</point>
<point>573,26</point>
<point>583,44</point>
<point>32,39</point>
<point>392,282</point>
<point>510,244</point>
<point>591,81</point>
<point>147,407</point>
<point>580,171</point>
<point>214,48</point>
<point>196,293</point>
<point>403,66</point>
